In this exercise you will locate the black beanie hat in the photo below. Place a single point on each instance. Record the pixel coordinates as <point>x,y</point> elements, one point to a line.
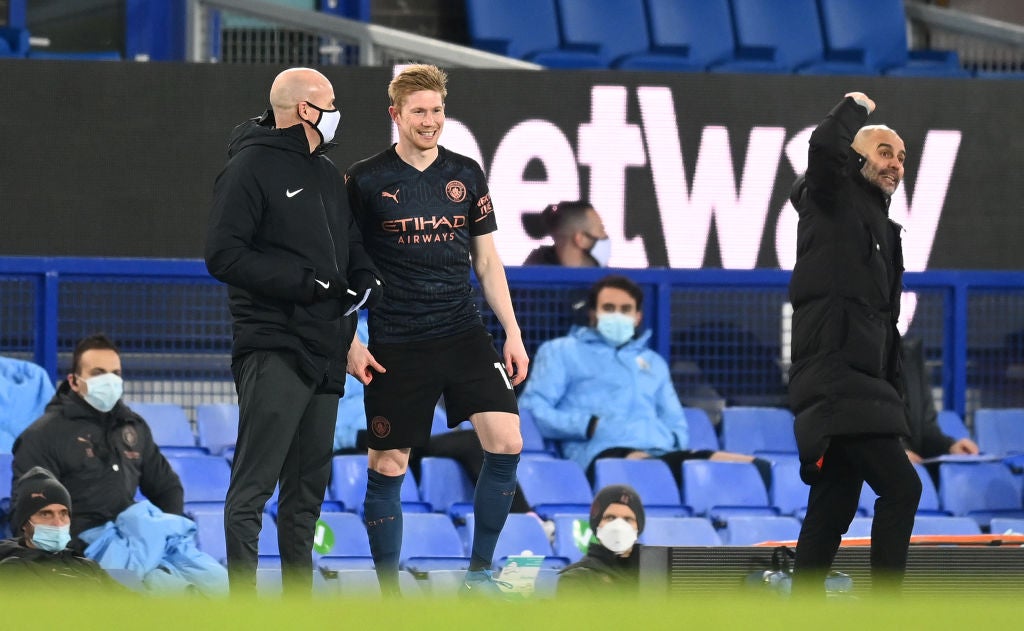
<point>616,494</point>
<point>34,491</point>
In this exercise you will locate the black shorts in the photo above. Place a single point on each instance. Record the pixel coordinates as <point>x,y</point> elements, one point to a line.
<point>465,368</point>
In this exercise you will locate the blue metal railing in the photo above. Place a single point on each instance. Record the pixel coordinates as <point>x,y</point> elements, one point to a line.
<point>723,331</point>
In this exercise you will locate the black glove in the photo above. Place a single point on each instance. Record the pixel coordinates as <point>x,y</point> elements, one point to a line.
<point>365,291</point>
<point>328,289</point>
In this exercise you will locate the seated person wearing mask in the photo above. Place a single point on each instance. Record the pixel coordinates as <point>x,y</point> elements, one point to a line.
<point>612,562</point>
<point>601,392</point>
<point>38,555</point>
<point>579,237</point>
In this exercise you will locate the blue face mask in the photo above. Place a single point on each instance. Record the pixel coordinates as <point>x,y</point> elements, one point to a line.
<point>104,391</point>
<point>51,538</point>
<point>616,328</point>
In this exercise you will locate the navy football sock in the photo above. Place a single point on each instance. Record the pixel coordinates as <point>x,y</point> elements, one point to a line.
<point>495,489</point>
<point>382,511</point>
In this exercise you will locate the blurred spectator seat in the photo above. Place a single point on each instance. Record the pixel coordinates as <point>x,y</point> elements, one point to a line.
<point>929,505</point>
<point>571,531</point>
<point>13,42</point>
<point>758,430</point>
<point>1002,525</point>
<point>348,534</point>
<point>525,29</point>
<point>554,486</point>
<point>770,38</point>
<point>679,531</point>
<point>430,541</point>
<point>651,478</point>
<point>170,427</point>
<point>945,525</point>
<point>746,530</point>
<point>696,33</point>
<point>217,426</point>
<point>348,485</point>
<point>788,493</point>
<point>719,490</point>
<point>871,35</point>
<point>445,485</point>
<point>1000,431</point>
<point>980,490</point>
<point>952,425</point>
<point>522,533</point>
<point>702,432</point>
<point>204,478</point>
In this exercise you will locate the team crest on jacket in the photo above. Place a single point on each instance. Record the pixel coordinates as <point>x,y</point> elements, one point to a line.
<point>380,427</point>
<point>456,191</point>
<point>129,436</point>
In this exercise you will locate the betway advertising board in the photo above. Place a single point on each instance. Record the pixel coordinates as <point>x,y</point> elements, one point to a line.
<point>687,170</point>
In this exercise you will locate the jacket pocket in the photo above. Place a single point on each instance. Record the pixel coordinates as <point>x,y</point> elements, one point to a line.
<point>866,338</point>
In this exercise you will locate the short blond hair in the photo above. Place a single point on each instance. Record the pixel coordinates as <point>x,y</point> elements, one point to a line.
<point>415,78</point>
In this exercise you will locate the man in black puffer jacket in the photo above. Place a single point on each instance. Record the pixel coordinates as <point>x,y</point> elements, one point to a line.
<point>845,382</point>
<point>282,236</point>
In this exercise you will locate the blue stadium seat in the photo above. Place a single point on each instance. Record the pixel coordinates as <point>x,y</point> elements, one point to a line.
<point>702,432</point>
<point>952,425</point>
<point>1000,431</point>
<point>533,442</point>
<point>770,38</point>
<point>171,429</point>
<point>1002,525</point>
<point>348,485</point>
<point>268,538</point>
<point>696,33</point>
<point>651,478</point>
<point>746,530</point>
<point>444,484</point>
<point>526,29</point>
<point>788,493</point>
<point>872,35</point>
<point>553,486</point>
<point>349,533</point>
<point>217,426</point>
<point>205,478</point>
<point>521,533</point>
<point>939,525</point>
<point>617,34</point>
<point>758,430</point>
<point>859,527</point>
<point>569,526</point>
<point>980,490</point>
<point>210,531</point>
<point>6,475</point>
<point>427,536</point>
<point>679,531</point>
<point>719,490</point>
<point>93,55</point>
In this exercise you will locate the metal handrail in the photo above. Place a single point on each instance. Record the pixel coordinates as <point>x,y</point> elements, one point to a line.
<point>371,39</point>
<point>996,31</point>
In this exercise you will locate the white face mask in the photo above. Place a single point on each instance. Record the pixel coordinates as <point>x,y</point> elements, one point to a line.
<point>326,124</point>
<point>618,535</point>
<point>602,251</point>
<point>104,391</point>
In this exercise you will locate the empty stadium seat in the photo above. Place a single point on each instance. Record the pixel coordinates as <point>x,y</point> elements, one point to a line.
<point>204,478</point>
<point>719,490</point>
<point>526,29</point>
<point>945,525</point>
<point>772,39</point>
<point>568,528</point>
<point>679,531</point>
<point>6,474</point>
<point>348,532</point>
<point>746,530</point>
<point>444,484</point>
<point>533,442</point>
<point>431,536</point>
<point>171,429</point>
<point>348,485</point>
<point>13,42</point>
<point>872,35</point>
<point>952,425</point>
<point>859,527</point>
<point>758,430</point>
<point>521,533</point>
<point>1000,431</point>
<point>651,478</point>
<point>554,486</point>
<point>618,36</point>
<point>210,531</point>
<point>701,431</point>
<point>980,490</point>
<point>217,426</point>
<point>697,33</point>
<point>788,493</point>
<point>1002,525</point>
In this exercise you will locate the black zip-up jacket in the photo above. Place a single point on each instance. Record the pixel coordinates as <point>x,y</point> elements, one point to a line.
<point>101,458</point>
<point>280,220</point>
<point>845,290</point>
<point>31,570</point>
<point>601,571</point>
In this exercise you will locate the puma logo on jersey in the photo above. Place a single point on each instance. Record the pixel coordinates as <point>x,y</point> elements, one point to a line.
<point>393,196</point>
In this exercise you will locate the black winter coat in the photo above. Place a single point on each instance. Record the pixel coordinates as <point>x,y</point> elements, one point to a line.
<point>101,458</point>
<point>280,220</point>
<point>845,289</point>
<point>601,571</point>
<point>31,570</point>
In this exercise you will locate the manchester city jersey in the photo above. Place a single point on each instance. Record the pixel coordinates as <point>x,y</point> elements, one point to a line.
<point>417,226</point>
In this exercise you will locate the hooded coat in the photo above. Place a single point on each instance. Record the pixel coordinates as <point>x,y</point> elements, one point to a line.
<point>280,221</point>
<point>845,377</point>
